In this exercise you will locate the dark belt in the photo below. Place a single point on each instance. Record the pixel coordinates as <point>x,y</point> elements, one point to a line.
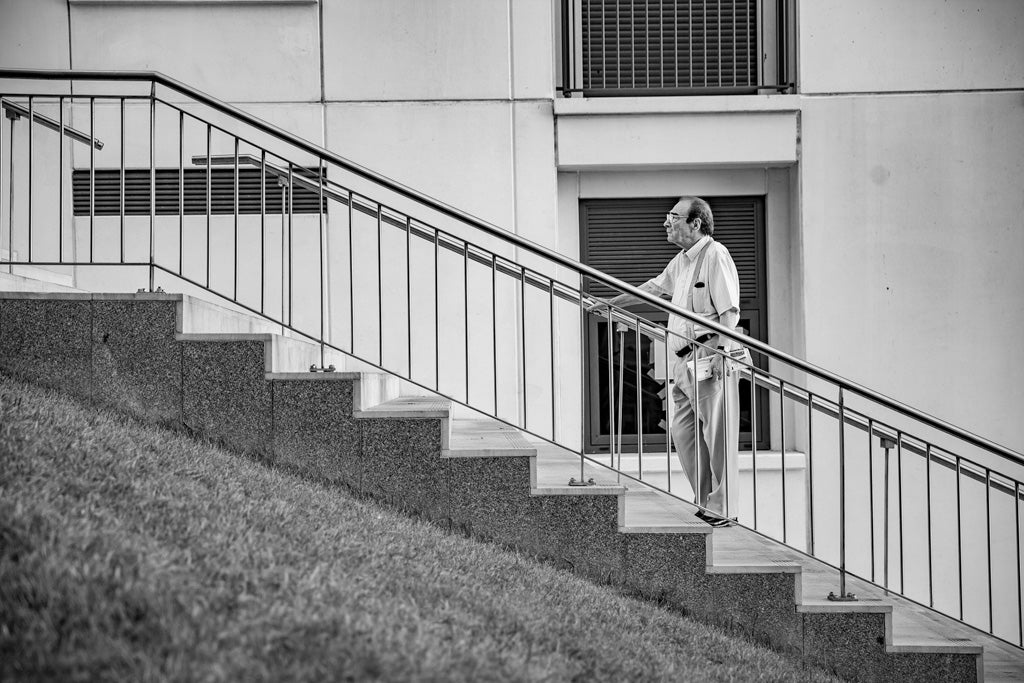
<point>702,339</point>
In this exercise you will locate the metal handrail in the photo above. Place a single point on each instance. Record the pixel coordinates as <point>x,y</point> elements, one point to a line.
<point>18,110</point>
<point>493,230</point>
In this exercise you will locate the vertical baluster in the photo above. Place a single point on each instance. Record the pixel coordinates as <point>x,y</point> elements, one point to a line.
<point>152,186</point>
<point>886,445</point>
<point>494,326</point>
<point>10,178</point>
<point>31,134</point>
<point>809,485</point>
<point>92,177</point>
<point>871,494</point>
<point>291,228</point>
<point>668,412</point>
<point>263,228</point>
<point>899,493</point>
<point>583,383</point>
<point>522,334</point>
<point>284,203</point>
<point>727,468</point>
<point>408,294</point>
<point>959,541</point>
<point>322,237</point>
<point>60,179</point>
<point>753,438</point>
<point>380,286</point>
<point>694,404</point>
<point>843,595</point>
<point>465,310</point>
<point>437,313</point>
<point>611,387</point>
<point>988,543</point>
<point>351,282</point>
<point>1020,587</point>
<point>122,186</point>
<point>928,503</point>
<point>782,460</point>
<point>639,413</point>
<point>209,209</point>
<point>181,194</point>
<point>234,248</point>
<point>551,318</point>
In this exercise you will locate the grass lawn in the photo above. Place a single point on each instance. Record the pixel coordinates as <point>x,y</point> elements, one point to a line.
<point>129,552</point>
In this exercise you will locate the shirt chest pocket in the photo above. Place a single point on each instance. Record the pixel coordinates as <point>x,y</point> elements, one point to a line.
<point>701,298</point>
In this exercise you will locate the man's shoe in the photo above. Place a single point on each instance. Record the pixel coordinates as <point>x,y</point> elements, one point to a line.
<point>717,521</point>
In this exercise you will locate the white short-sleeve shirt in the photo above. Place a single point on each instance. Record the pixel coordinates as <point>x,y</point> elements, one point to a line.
<point>718,293</point>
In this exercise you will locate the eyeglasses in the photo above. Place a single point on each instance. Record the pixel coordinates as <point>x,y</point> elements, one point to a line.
<point>673,217</point>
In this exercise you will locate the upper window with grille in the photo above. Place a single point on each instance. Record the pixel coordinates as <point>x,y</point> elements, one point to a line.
<point>640,47</point>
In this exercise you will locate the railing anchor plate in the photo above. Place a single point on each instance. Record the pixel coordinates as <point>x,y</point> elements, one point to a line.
<point>846,597</point>
<point>329,368</point>
<point>589,482</point>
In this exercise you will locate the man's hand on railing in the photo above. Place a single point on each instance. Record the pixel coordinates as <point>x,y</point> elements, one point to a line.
<point>596,304</point>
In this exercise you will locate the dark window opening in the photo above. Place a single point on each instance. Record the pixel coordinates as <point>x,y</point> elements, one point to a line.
<point>625,238</point>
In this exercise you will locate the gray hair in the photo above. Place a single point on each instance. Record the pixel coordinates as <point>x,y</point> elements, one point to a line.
<point>700,209</point>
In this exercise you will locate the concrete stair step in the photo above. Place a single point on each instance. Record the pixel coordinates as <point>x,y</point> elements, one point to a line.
<point>32,279</point>
<point>482,438</point>
<point>910,628</point>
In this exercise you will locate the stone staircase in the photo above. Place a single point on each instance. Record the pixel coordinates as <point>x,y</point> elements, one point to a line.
<point>180,362</point>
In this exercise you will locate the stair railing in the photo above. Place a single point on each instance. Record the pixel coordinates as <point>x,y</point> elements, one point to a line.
<point>363,265</point>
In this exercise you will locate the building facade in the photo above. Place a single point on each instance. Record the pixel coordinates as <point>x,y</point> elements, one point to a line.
<point>869,154</point>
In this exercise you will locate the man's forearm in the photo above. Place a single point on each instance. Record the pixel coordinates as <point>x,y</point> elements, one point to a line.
<point>729,319</point>
<point>623,300</point>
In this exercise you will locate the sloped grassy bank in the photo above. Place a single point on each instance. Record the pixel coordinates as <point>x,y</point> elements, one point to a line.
<point>134,553</point>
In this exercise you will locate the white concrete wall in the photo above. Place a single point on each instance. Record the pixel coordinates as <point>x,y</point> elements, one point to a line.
<point>34,34</point>
<point>913,45</point>
<point>230,51</point>
<point>913,236</point>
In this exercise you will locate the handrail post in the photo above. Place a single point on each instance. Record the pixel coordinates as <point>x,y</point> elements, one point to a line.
<point>886,443</point>
<point>13,116</point>
<point>843,595</point>
<point>152,185</point>
<point>573,481</point>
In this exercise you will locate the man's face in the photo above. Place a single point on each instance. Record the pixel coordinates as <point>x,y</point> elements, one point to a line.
<point>678,231</point>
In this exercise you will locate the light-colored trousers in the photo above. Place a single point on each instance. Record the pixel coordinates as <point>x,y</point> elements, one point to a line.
<point>710,455</point>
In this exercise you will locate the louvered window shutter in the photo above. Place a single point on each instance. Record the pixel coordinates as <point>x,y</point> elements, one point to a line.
<point>669,43</point>
<point>626,239</point>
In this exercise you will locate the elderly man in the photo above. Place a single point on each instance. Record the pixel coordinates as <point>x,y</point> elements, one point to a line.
<point>701,278</point>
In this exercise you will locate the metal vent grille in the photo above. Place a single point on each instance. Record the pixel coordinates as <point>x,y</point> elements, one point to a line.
<point>669,43</point>
<point>107,196</point>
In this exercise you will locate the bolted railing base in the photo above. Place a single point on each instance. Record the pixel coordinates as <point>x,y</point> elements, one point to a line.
<point>320,368</point>
<point>843,597</point>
